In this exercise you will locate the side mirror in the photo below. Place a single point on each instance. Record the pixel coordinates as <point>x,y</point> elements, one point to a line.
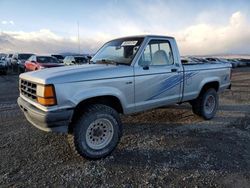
<point>145,67</point>
<point>73,62</point>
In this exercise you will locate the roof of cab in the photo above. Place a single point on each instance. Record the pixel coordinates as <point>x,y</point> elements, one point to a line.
<point>145,36</point>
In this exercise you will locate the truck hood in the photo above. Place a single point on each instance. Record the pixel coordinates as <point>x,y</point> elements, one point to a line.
<point>78,73</point>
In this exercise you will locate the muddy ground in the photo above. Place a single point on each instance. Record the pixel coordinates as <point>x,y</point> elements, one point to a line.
<point>164,147</point>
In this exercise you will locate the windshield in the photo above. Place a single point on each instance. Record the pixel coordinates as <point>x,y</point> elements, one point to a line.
<point>24,56</point>
<point>45,59</point>
<point>58,56</point>
<point>81,60</point>
<point>118,51</point>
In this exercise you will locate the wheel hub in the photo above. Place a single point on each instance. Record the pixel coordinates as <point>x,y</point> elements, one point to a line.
<point>210,104</point>
<point>99,133</point>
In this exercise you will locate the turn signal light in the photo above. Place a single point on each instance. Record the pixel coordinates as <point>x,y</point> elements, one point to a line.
<point>46,101</point>
<point>46,95</point>
<point>45,91</point>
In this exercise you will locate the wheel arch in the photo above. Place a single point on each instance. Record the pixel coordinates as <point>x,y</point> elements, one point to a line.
<point>212,84</point>
<point>109,100</point>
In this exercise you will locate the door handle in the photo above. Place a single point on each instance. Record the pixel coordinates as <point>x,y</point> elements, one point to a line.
<point>174,70</point>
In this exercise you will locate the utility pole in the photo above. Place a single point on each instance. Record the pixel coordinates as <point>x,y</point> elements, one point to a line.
<point>79,47</point>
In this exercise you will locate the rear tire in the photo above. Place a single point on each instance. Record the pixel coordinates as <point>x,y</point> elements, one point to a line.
<point>96,132</point>
<point>206,104</point>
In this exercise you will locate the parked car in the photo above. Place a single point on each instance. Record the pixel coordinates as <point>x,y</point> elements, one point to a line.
<point>3,66</point>
<point>41,62</point>
<point>193,60</point>
<point>234,62</point>
<point>59,57</point>
<point>213,59</point>
<point>8,59</point>
<point>243,62</point>
<point>19,60</point>
<point>187,60</point>
<point>2,55</point>
<point>75,60</point>
<point>127,75</point>
<point>199,59</point>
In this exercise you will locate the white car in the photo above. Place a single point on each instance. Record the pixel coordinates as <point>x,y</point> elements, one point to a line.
<point>75,60</point>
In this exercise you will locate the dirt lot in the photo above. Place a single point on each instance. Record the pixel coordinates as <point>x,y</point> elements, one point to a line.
<point>164,147</point>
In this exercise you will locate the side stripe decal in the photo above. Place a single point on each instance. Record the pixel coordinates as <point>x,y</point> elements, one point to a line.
<point>172,82</point>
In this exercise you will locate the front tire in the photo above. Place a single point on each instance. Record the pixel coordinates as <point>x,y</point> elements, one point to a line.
<point>206,104</point>
<point>97,132</point>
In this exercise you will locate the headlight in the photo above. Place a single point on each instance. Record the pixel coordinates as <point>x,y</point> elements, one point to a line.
<point>46,95</point>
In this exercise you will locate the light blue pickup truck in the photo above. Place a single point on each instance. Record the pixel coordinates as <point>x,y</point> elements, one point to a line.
<point>127,75</point>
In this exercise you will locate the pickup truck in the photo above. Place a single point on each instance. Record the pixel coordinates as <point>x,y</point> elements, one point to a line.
<point>127,75</point>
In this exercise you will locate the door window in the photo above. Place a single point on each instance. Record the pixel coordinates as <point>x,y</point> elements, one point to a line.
<point>157,52</point>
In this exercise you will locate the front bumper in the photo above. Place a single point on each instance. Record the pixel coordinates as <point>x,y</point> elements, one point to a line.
<point>52,121</point>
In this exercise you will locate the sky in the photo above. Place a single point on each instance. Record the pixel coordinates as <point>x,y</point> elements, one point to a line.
<point>51,26</point>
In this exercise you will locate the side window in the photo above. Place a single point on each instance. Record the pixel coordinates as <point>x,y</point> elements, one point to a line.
<point>30,58</point>
<point>157,52</point>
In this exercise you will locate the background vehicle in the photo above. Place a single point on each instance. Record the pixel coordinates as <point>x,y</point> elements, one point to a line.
<point>234,62</point>
<point>213,59</point>
<point>58,57</point>
<point>127,75</point>
<point>3,66</point>
<point>191,59</point>
<point>19,60</point>
<point>243,62</point>
<point>41,62</point>
<point>2,55</point>
<point>8,59</point>
<point>75,60</point>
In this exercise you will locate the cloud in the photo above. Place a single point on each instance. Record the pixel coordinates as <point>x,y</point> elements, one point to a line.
<point>4,22</point>
<point>197,39</point>
<point>42,42</point>
<point>213,39</point>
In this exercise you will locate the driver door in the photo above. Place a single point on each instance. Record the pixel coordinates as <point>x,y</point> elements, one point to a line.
<point>157,78</point>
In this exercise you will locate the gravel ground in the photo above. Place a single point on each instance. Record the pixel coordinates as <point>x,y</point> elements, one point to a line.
<point>164,147</point>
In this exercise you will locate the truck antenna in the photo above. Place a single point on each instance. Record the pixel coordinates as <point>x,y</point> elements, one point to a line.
<point>79,47</point>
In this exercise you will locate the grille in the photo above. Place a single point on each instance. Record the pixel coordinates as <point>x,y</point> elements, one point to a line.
<point>28,89</point>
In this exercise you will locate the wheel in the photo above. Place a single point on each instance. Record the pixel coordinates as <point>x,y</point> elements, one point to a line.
<point>206,104</point>
<point>97,132</point>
